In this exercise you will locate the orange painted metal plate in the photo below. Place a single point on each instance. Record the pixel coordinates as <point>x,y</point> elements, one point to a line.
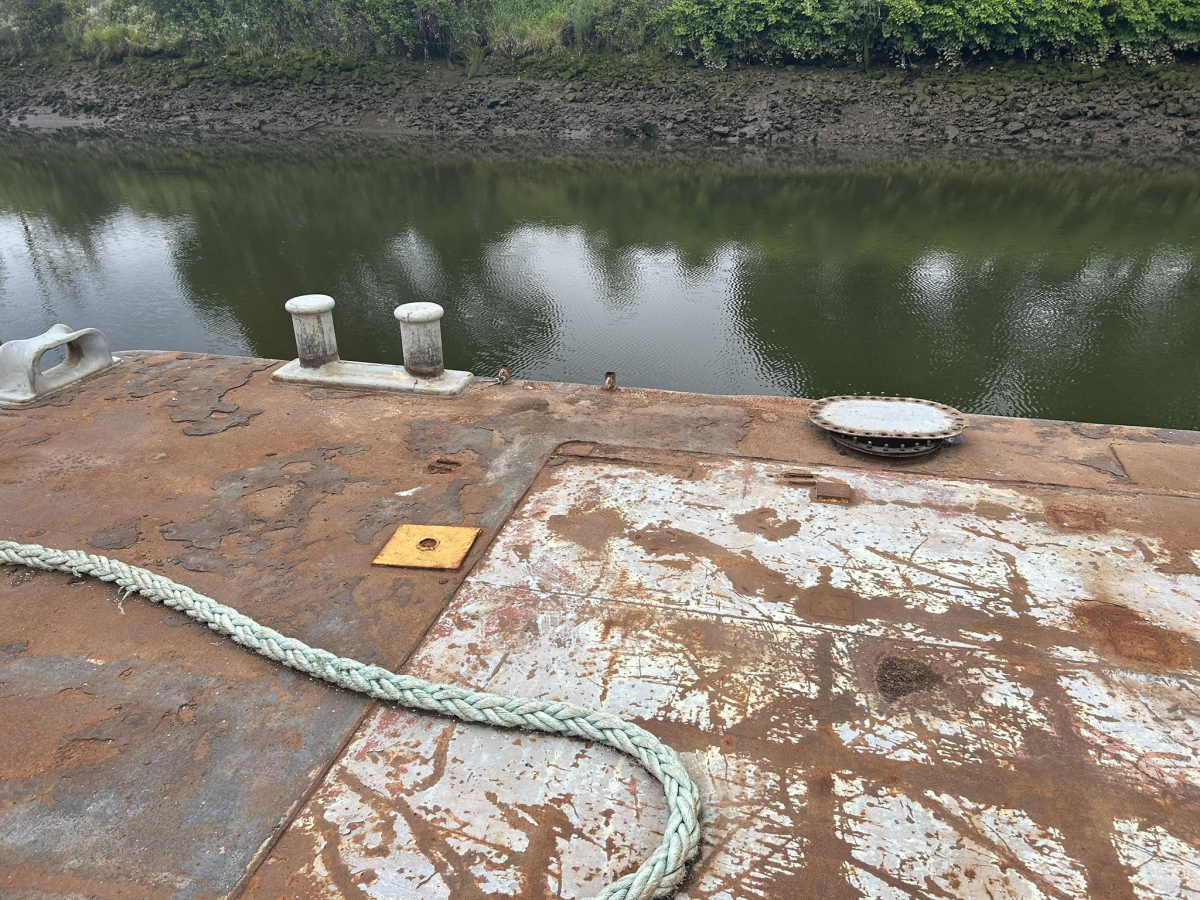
<point>427,547</point>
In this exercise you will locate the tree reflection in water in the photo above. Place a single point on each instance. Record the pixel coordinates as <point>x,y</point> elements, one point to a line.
<point>1052,291</point>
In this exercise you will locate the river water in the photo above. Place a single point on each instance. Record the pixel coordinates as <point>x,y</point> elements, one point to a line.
<point>1054,291</point>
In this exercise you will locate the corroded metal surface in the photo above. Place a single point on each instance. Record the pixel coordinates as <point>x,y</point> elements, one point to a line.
<point>947,689</point>
<point>139,758</point>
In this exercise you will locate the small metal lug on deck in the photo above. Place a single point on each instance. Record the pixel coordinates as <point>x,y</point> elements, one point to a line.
<point>312,318</point>
<point>318,362</point>
<point>832,490</point>
<point>22,378</point>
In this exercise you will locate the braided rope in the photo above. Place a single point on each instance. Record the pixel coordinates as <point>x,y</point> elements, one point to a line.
<point>658,876</point>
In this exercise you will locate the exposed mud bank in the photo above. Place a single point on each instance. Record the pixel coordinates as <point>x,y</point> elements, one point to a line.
<point>1122,110</point>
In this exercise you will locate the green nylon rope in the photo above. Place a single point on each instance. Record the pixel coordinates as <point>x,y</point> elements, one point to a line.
<point>658,876</point>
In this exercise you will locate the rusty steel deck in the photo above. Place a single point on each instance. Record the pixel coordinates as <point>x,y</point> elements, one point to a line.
<point>977,679</point>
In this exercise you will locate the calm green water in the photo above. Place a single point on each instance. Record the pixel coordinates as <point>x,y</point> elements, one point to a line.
<point>1060,292</point>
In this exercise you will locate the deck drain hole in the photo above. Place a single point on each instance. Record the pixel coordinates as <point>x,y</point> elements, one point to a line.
<point>427,543</point>
<point>898,677</point>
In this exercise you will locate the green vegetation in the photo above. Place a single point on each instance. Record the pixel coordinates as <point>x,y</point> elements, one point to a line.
<point>713,31</point>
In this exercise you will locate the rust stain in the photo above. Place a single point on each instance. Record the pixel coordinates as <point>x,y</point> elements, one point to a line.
<point>825,601</point>
<point>266,502</point>
<point>766,522</point>
<point>591,526</point>
<point>1075,518</point>
<point>1005,778</point>
<point>898,677</point>
<point>748,576</point>
<point>37,881</point>
<point>868,718</point>
<point>1130,638</point>
<point>30,750</point>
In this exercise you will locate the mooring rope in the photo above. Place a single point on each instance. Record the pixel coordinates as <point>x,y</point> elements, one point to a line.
<point>658,876</point>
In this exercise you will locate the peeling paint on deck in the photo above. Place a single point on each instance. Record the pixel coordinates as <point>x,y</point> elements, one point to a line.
<point>905,697</point>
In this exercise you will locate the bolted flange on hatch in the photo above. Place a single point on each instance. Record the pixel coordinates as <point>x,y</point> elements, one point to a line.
<point>893,427</point>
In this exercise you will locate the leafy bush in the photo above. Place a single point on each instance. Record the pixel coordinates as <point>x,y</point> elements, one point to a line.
<point>30,25</point>
<point>715,31</point>
<point>228,23</point>
<point>954,30</point>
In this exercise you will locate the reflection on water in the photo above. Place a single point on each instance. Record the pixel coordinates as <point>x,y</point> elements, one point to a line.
<point>1051,292</point>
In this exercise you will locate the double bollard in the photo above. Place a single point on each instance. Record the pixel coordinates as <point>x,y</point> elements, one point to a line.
<point>317,361</point>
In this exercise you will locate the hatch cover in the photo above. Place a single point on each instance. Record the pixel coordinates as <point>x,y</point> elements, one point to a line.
<point>887,417</point>
<point>946,689</point>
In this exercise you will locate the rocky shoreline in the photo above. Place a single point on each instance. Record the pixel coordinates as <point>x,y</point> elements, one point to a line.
<point>1147,112</point>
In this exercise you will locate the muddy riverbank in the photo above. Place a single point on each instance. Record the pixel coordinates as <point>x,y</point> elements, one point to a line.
<point>584,103</point>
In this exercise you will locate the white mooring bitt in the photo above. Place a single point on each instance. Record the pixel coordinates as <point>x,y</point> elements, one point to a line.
<point>318,362</point>
<point>421,338</point>
<point>312,318</point>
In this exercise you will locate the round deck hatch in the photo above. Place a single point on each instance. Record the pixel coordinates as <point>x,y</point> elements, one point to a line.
<point>887,426</point>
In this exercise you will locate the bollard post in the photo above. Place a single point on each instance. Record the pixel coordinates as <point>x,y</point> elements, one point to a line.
<point>312,319</point>
<point>318,362</point>
<point>421,339</point>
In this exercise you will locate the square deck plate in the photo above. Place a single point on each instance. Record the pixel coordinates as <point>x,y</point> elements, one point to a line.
<point>427,547</point>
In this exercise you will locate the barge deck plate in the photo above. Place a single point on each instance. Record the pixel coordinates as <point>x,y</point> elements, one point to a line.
<point>977,679</point>
<point>948,688</point>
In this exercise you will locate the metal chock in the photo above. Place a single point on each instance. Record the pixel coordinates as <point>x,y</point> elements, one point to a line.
<point>22,379</point>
